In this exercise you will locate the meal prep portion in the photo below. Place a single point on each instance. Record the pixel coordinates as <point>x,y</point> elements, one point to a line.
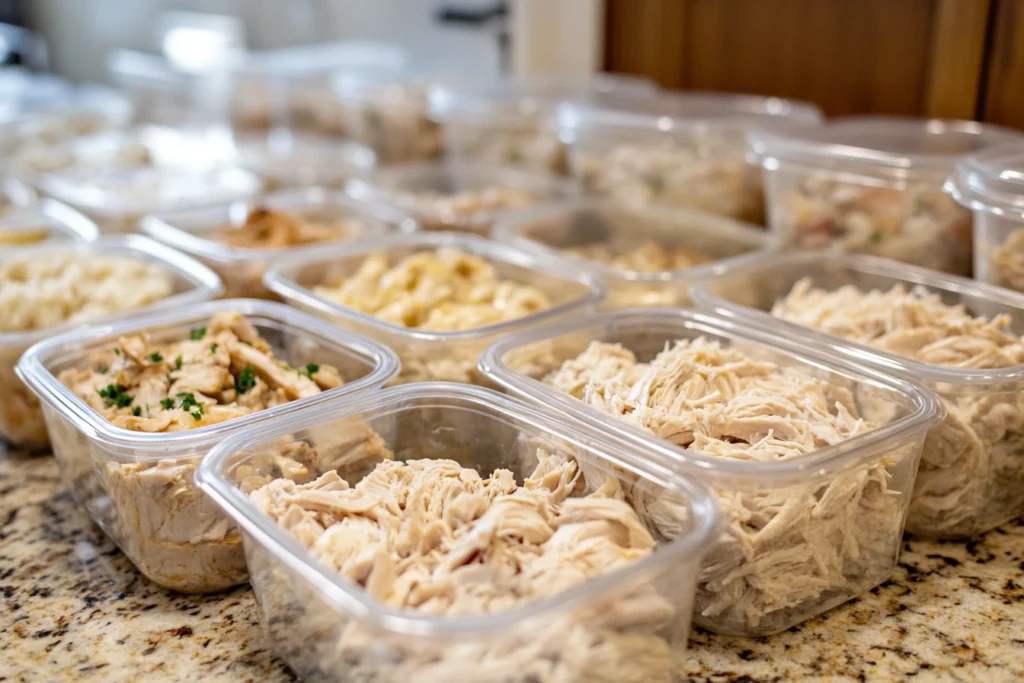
<point>266,228</point>
<point>222,371</point>
<point>388,115</point>
<point>972,470</point>
<point>787,553</point>
<point>643,257</point>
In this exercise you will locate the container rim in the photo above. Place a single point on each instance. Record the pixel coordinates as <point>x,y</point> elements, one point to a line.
<point>33,371</point>
<point>166,227</point>
<point>283,285</point>
<point>991,181</point>
<point>18,193</point>
<point>704,299</point>
<point>510,229</point>
<point>822,462</point>
<point>58,217</point>
<point>205,283</point>
<point>210,479</point>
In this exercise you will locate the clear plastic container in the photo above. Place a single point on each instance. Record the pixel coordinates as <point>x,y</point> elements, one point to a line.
<point>16,197</point>
<point>991,184</point>
<point>159,92</point>
<point>874,185</point>
<point>138,486</point>
<point>681,149</point>
<point>628,625</point>
<point>432,355</point>
<point>242,269</point>
<point>49,221</point>
<point>21,419</point>
<point>802,535</point>
<point>972,471</point>
<point>291,159</point>
<point>460,196</point>
<point>633,234</point>
<point>511,122</point>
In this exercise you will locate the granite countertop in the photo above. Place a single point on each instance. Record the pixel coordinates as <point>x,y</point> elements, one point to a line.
<point>75,609</point>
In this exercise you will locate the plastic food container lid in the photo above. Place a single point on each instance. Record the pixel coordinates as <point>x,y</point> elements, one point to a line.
<point>32,370</point>
<point>896,148</point>
<point>203,282</point>
<point>991,181</point>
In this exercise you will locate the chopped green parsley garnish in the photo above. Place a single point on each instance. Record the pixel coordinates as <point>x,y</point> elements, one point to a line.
<point>246,342</point>
<point>213,348</point>
<point>136,411</point>
<point>877,236</point>
<point>167,403</point>
<point>117,351</point>
<point>197,333</point>
<point>187,400</point>
<point>177,362</point>
<point>156,357</point>
<point>104,370</point>
<point>310,370</point>
<point>116,394</point>
<point>197,414</point>
<point>246,380</point>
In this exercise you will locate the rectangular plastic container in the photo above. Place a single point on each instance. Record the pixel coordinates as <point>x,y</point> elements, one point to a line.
<point>802,535</point>
<point>680,149</point>
<point>511,122</point>
<point>991,185</point>
<point>555,228</point>
<point>431,355</point>
<point>286,158</point>
<point>972,471</point>
<point>630,624</point>
<point>138,486</point>
<point>159,92</point>
<point>874,185</point>
<point>400,186</point>
<point>21,418</point>
<point>242,269</point>
<point>48,221</point>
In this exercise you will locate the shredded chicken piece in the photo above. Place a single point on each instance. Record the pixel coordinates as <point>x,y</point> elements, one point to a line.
<point>393,121</point>
<point>789,552</point>
<point>466,209</point>
<point>272,229</point>
<point>1006,268</point>
<point>221,372</point>
<point>972,468</point>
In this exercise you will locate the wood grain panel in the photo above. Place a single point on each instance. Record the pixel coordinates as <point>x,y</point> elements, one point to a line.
<point>955,66</point>
<point>1004,87</point>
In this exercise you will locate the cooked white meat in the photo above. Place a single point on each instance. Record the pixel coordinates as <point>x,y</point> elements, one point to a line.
<point>272,229</point>
<point>221,372</point>
<point>972,468</point>
<point>786,551</point>
<point>1006,267</point>
<point>645,257</point>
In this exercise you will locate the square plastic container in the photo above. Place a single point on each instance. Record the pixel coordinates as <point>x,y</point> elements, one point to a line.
<point>558,228</point>
<point>49,221</point>
<point>21,419</point>
<point>242,269</point>
<point>284,158</point>
<point>972,471</point>
<point>431,355</point>
<point>802,535</point>
<point>428,191</point>
<point>138,486</point>
<point>511,122</point>
<point>680,149</point>
<point>630,624</point>
<point>874,185</point>
<point>991,184</point>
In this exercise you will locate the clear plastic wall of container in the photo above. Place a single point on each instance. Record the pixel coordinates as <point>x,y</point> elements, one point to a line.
<point>680,149</point>
<point>138,485</point>
<point>429,355</point>
<point>200,232</point>
<point>802,534</point>
<point>284,158</point>
<point>991,184</point>
<point>21,418</point>
<point>23,91</point>
<point>159,93</point>
<point>48,221</point>
<point>453,195</point>
<point>511,122</point>
<point>16,197</point>
<point>629,624</point>
<point>646,256</point>
<point>972,471</point>
<point>874,185</point>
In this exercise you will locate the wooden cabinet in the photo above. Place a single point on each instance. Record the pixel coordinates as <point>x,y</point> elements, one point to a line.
<point>943,58</point>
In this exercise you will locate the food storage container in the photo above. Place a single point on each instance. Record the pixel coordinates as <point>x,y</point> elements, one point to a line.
<point>241,268</point>
<point>116,178</point>
<point>510,123</point>
<point>459,196</point>
<point>802,534</point>
<point>630,624</point>
<point>49,221</point>
<point>159,92</point>
<point>426,354</point>
<point>972,471</point>
<point>284,158</point>
<point>21,420</point>
<point>874,185</point>
<point>991,184</point>
<point>681,149</point>
<point>16,196</point>
<point>138,486</point>
<point>646,256</point>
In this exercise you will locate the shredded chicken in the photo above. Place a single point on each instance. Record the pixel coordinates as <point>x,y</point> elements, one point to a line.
<point>392,120</point>
<point>972,469</point>
<point>645,257</point>
<point>1006,268</point>
<point>465,210</point>
<point>221,372</point>
<point>434,537</point>
<point>271,229</point>
<point>789,552</point>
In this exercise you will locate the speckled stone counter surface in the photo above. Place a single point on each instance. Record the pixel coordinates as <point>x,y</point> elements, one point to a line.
<point>73,608</point>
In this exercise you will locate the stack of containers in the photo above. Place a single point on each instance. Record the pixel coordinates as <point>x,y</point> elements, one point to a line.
<point>874,185</point>
<point>679,150</point>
